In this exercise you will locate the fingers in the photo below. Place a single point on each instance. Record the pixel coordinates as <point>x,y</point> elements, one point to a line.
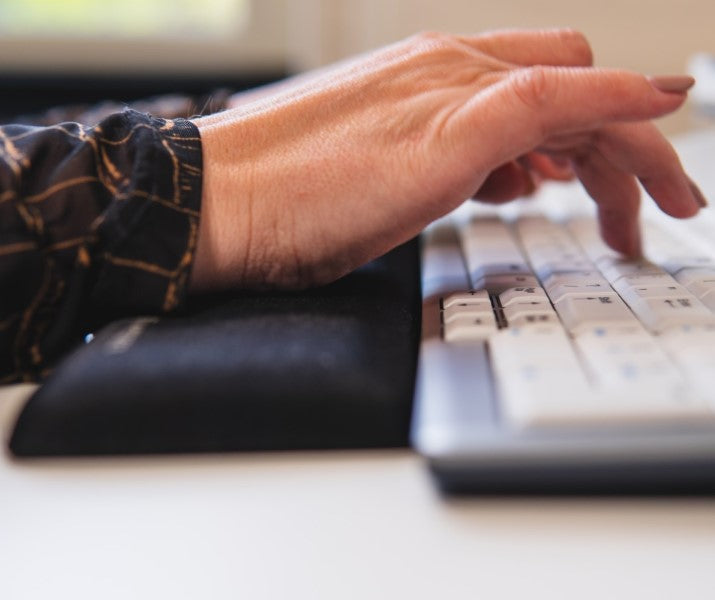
<point>616,156</point>
<point>565,47</point>
<point>549,167</point>
<point>618,197</point>
<point>640,149</point>
<point>552,104</point>
<point>505,183</point>
<point>533,105</point>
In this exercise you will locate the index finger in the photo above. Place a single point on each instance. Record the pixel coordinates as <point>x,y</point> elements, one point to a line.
<point>640,149</point>
<point>531,105</point>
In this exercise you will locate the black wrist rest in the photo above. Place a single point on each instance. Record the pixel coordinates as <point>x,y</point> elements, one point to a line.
<point>331,367</point>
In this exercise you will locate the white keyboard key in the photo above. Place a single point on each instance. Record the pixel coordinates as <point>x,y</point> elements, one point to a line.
<point>543,347</point>
<point>692,350</point>
<point>589,276</point>
<point>577,287</point>
<point>704,290</point>
<point>642,280</point>
<point>465,298</point>
<point>516,294</point>
<point>659,245</point>
<point>548,268</point>
<point>462,311</point>
<point>434,287</point>
<point>687,276</point>
<point>470,328</point>
<point>541,383</point>
<point>497,284</point>
<point>527,307</point>
<point>549,251</point>
<point>498,268</point>
<point>548,241</point>
<point>615,268</point>
<point>634,293</point>
<point>627,356</point>
<point>535,224</point>
<point>585,312</point>
<point>530,319</point>
<point>675,264</point>
<point>660,314</point>
<point>552,250</point>
<point>538,374</point>
<point>701,283</point>
<point>586,231</point>
<point>488,242</point>
<point>443,269</point>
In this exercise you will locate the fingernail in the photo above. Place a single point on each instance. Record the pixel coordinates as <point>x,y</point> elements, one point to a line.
<point>674,84</point>
<point>698,195</point>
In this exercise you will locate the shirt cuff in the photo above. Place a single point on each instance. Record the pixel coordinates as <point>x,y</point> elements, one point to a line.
<point>145,240</point>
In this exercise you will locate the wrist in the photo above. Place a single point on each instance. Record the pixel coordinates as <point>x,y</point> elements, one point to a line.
<point>222,249</point>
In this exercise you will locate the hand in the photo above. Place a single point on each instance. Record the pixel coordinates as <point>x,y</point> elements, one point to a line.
<point>304,185</point>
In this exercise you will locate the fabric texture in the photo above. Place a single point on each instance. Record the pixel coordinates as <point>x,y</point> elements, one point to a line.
<point>96,222</point>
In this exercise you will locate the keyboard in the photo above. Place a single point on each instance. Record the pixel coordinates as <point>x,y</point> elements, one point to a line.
<point>549,362</point>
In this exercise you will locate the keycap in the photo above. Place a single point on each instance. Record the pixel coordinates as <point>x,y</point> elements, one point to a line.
<point>585,231</point>
<point>586,277</point>
<point>691,348</point>
<point>519,293</point>
<point>538,375</point>
<point>462,311</point>
<point>442,264</point>
<point>643,279</point>
<point>635,293</point>
<point>520,308</point>
<point>627,356</point>
<point>497,284</point>
<point>546,269</point>
<point>485,269</point>
<point>687,276</point>
<point>585,312</point>
<point>701,283</point>
<point>563,285</point>
<point>541,383</point>
<point>529,319</point>
<point>675,264</point>
<point>615,268</point>
<point>464,298</point>
<point>660,314</point>
<point>470,328</point>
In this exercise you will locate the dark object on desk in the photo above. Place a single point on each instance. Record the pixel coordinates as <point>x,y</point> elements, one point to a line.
<point>327,368</point>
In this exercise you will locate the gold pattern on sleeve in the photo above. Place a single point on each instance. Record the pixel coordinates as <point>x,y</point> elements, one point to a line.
<point>15,159</point>
<point>17,248</point>
<point>86,177</point>
<point>45,194</point>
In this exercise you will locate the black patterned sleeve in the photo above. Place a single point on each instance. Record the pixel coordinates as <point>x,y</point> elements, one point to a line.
<point>95,223</point>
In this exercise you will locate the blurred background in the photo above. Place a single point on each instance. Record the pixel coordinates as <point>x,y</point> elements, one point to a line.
<point>66,51</point>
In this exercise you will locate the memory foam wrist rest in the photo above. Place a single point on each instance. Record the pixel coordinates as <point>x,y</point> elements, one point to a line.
<point>332,367</point>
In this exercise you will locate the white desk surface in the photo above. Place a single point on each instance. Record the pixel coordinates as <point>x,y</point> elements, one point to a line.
<point>338,525</point>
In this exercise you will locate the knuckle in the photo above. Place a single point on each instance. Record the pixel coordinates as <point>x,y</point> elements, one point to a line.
<point>533,86</point>
<point>430,36</point>
<point>432,41</point>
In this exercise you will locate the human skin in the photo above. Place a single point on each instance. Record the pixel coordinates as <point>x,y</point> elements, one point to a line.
<point>306,181</point>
